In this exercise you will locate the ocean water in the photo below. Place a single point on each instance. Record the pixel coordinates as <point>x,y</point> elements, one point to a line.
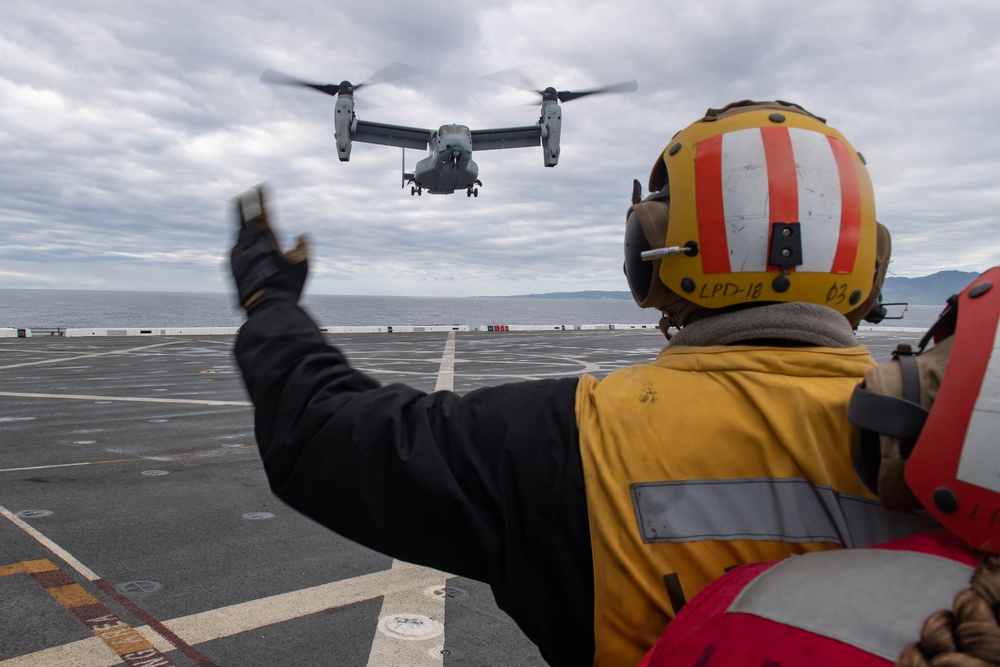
<point>45,309</point>
<point>96,309</point>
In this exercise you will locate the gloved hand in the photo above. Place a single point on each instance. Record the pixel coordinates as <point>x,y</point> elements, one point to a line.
<point>263,272</point>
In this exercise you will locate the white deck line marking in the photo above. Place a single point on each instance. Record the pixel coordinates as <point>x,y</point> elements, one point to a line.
<point>133,459</point>
<point>127,399</point>
<point>92,652</point>
<point>84,571</point>
<point>89,356</point>
<point>247,616</point>
<point>446,374</point>
<point>387,650</point>
<point>54,465</point>
<point>402,588</point>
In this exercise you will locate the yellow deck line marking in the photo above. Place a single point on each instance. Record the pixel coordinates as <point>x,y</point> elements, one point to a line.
<point>127,399</point>
<point>88,356</point>
<point>7,570</point>
<point>122,639</point>
<point>118,636</point>
<point>72,595</point>
<point>40,565</point>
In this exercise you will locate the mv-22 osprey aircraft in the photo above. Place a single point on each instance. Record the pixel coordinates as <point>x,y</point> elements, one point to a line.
<point>449,165</point>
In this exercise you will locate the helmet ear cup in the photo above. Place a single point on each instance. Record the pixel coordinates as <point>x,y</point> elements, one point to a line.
<point>883,250</point>
<point>645,229</point>
<point>638,273</point>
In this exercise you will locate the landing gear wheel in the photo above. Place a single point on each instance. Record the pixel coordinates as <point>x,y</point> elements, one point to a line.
<point>413,190</point>
<point>475,193</point>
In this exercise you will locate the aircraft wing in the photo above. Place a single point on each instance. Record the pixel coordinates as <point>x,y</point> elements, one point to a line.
<point>391,135</point>
<point>507,137</point>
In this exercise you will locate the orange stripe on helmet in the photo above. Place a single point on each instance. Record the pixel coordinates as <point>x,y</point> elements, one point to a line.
<point>850,209</point>
<point>782,181</point>
<point>711,211</point>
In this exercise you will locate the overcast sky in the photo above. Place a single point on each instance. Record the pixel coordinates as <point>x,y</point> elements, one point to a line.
<point>127,127</point>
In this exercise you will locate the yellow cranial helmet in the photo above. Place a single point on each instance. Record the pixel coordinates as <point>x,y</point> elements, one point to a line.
<point>758,202</point>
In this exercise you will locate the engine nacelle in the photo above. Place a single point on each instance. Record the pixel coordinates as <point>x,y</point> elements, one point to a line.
<point>343,122</point>
<point>551,122</point>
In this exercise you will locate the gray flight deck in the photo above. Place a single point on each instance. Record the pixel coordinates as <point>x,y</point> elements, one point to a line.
<point>137,527</point>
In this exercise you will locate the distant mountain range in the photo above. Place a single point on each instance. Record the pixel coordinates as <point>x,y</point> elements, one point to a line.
<point>931,290</point>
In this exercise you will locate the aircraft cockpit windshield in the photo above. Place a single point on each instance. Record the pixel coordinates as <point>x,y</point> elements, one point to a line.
<point>454,129</point>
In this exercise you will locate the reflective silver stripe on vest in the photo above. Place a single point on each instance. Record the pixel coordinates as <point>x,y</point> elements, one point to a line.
<point>786,510</point>
<point>874,599</point>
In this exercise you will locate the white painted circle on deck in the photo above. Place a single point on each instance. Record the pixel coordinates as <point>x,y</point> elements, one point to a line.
<point>414,627</point>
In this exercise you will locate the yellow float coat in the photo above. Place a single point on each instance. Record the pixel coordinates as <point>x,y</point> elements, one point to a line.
<point>708,458</point>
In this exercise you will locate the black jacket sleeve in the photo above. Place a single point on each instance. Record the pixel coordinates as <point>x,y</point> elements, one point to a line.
<point>497,471</point>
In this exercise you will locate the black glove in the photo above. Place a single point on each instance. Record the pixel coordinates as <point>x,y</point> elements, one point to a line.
<point>262,271</point>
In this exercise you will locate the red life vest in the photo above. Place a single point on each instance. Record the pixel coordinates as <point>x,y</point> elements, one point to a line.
<point>857,607</point>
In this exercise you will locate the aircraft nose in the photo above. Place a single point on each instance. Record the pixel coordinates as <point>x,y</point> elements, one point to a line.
<point>457,148</point>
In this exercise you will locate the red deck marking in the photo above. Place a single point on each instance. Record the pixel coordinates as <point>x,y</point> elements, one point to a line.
<point>51,578</point>
<point>89,611</point>
<point>189,651</point>
<point>134,649</point>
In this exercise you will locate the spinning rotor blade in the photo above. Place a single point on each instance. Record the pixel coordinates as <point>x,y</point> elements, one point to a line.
<point>274,76</point>
<point>394,71</point>
<point>623,87</point>
<point>515,78</point>
<point>391,72</point>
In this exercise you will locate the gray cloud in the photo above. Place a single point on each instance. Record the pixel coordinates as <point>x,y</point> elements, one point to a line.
<point>127,127</point>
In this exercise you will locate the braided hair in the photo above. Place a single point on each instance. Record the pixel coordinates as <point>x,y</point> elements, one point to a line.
<point>967,635</point>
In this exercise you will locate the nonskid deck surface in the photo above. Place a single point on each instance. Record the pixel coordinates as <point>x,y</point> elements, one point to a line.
<point>137,527</point>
